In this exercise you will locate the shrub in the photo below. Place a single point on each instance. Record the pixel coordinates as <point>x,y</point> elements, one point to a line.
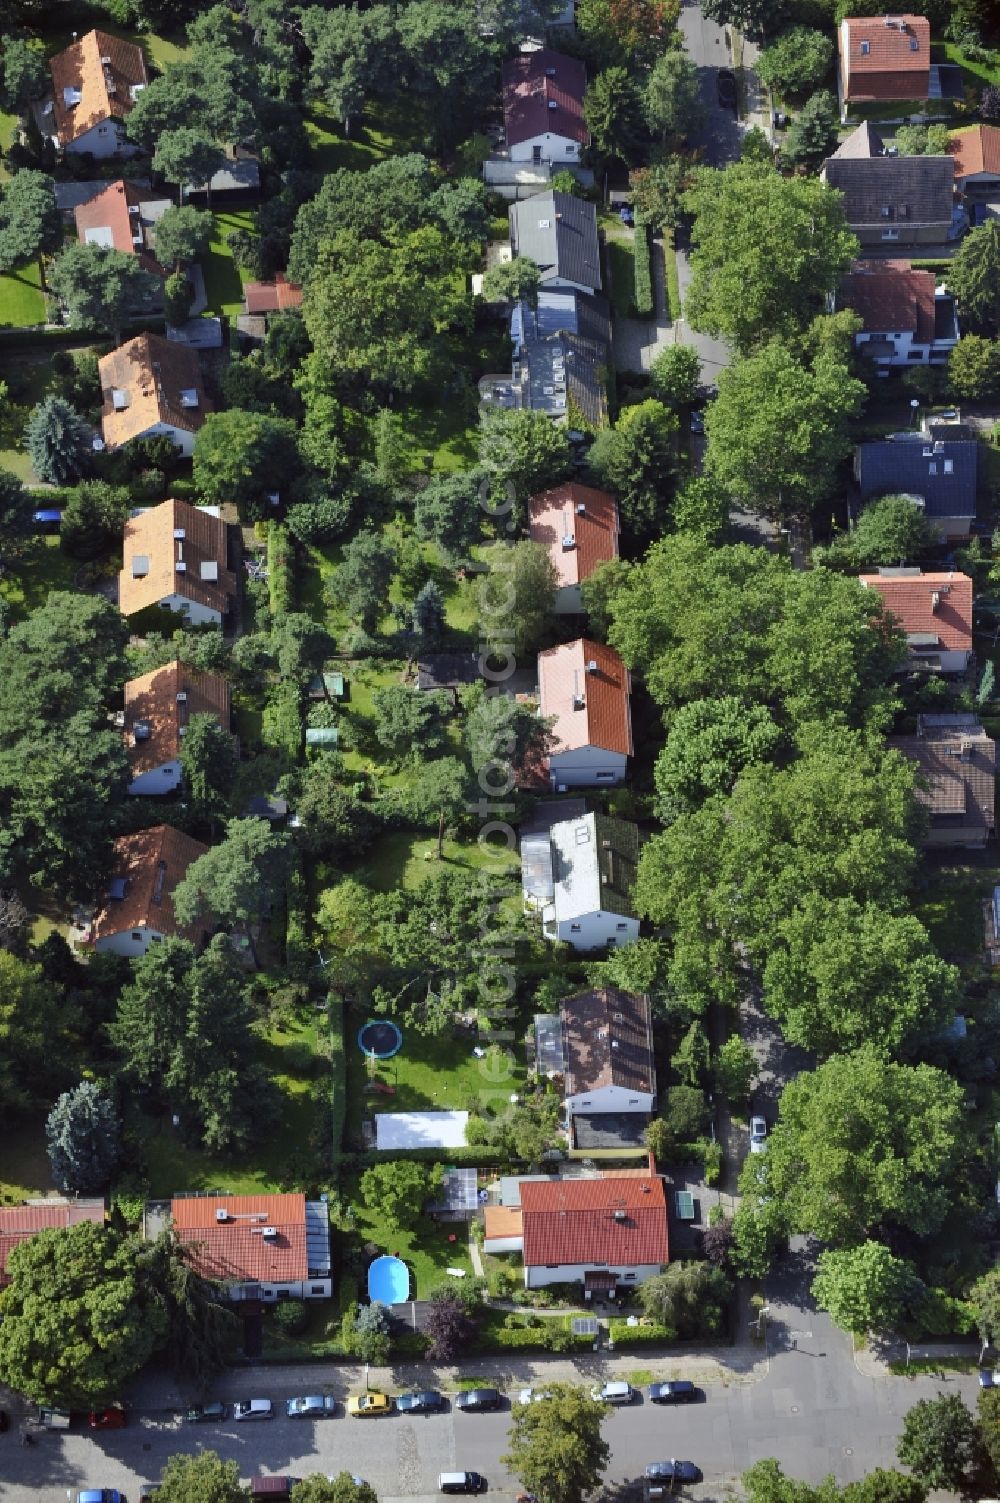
<point>291,1316</point>
<point>644,303</point>
<point>622,1334</point>
<point>280,570</point>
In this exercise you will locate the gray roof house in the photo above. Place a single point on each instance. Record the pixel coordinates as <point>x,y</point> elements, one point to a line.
<point>863,142</point>
<point>559,232</point>
<point>940,472</point>
<point>561,355</point>
<point>583,881</point>
<point>897,200</point>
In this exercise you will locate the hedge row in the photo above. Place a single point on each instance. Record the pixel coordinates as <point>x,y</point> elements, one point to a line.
<point>280,570</point>
<point>281,724</point>
<point>622,1334</point>
<point>644,304</point>
<point>551,1334</point>
<point>298,951</point>
<point>483,1157</point>
<point>338,1083</point>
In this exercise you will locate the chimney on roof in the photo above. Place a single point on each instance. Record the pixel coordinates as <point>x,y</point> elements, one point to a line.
<point>592,665</point>
<point>935,599</point>
<point>578,699</point>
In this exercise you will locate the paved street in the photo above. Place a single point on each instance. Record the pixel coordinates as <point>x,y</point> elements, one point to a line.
<point>804,1401</point>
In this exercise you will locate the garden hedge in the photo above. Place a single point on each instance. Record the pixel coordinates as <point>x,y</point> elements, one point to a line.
<point>644,304</point>
<point>338,1083</point>
<point>280,570</point>
<point>622,1334</point>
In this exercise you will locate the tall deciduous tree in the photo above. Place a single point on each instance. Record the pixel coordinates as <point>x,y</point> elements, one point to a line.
<point>671,98</point>
<point>448,511</point>
<point>984,1297</point>
<point>555,1446</point>
<point>245,457</point>
<point>865,1288</point>
<point>766,252</point>
<point>77,1320</point>
<point>208,763</point>
<point>204,1478</point>
<point>16,509</point>
<point>709,744</point>
<point>354,54</point>
<point>891,531</point>
<point>939,1442</point>
<point>524,452</point>
<point>238,879</point>
<point>410,724</point>
<point>188,157</point>
<point>24,75</point>
<point>99,287</point>
<point>29,219</point>
<point>862,1142</point>
<point>439,791</point>
<point>690,1297</point>
<point>974,368</point>
<point>516,593</point>
<point>780,429</point>
<point>612,109</point>
<point>34,1053</point>
<point>515,280</point>
<point>361,583</point>
<point>401,1189</point>
<point>637,459</point>
<point>797,61</point>
<point>182,235</point>
<point>83,1137</point>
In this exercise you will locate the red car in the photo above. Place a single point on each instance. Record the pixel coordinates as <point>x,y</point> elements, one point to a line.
<point>106,1419</point>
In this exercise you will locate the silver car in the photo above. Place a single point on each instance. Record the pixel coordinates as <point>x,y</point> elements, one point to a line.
<point>758,1134</point>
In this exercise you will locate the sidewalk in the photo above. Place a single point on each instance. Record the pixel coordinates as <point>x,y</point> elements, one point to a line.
<point>874,1361</point>
<point>713,1366</point>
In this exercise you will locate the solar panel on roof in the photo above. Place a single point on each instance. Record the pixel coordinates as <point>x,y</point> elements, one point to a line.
<point>684,1205</point>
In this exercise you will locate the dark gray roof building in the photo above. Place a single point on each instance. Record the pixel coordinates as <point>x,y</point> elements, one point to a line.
<point>942,472</point>
<point>559,233</point>
<point>896,199</point>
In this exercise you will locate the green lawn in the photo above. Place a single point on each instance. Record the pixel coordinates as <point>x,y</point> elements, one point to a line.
<point>974,74</point>
<point>621,267</point>
<point>443,437</point>
<point>7,124</point>
<point>405,859</point>
<point>291,1156</point>
<point>223,278</point>
<point>371,140</point>
<point>426,1251</point>
<point>28,579</point>
<point>950,907</point>
<point>22,302</point>
<point>24,1164</point>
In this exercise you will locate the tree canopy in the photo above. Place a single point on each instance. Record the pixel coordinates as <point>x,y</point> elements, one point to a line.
<point>555,1446</point>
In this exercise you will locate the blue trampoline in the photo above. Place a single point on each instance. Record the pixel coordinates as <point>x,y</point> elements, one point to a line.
<point>380,1038</point>
<point>389,1281</point>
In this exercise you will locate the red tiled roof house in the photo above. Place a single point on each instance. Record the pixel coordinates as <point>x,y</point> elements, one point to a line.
<point>158,707</point>
<point>119,218</point>
<point>884,58</point>
<point>19,1223</point>
<point>585,688</point>
<point>138,908</point>
<point>261,1247</point>
<point>907,320</point>
<point>95,83</point>
<point>579,527</point>
<point>977,156</point>
<point>543,107</point>
<point>935,612</point>
<point>600,1232</point>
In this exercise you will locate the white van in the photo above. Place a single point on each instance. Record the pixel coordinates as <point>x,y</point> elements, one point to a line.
<point>613,1393</point>
<point>253,1409</point>
<point>461,1482</point>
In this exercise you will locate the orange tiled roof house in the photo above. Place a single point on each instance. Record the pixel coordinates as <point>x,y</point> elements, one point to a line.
<point>150,388</point>
<point>158,707</point>
<point>585,688</point>
<point>260,1247</point>
<point>95,83</point>
<point>579,527</point>
<point>601,1232</point>
<point>138,908</point>
<point>176,555</point>
<point>883,58</point>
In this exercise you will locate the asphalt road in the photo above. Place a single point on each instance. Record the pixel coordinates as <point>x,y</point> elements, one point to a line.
<point>810,1407</point>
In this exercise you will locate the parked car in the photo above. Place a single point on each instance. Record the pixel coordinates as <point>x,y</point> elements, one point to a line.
<point>613,1393</point>
<point>988,1378</point>
<point>679,1392</point>
<point>367,1405</point>
<point>533,1395</point>
<point>271,1487</point>
<point>673,1471</point>
<point>462,1482</point>
<point>626,215</point>
<point>253,1409</point>
<point>98,1495</point>
<point>758,1134</point>
<point>316,1406</point>
<point>477,1399</point>
<point>726,87</point>
<point>112,1418</point>
<point>697,421</point>
<point>427,1401</point>
<point>206,1414</point>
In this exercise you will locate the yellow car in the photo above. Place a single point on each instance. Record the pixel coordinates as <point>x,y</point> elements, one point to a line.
<point>365,1404</point>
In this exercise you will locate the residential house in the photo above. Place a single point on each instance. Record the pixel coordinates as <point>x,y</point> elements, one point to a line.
<point>277,296</point>
<point>138,909</point>
<point>892,200</point>
<point>151,387</point>
<point>237,180</point>
<point>123,217</point>
<point>559,233</point>
<point>607,1044</point>
<point>177,556</point>
<point>543,107</point>
<point>158,707</point>
<point>259,1247</point>
<point>599,1232</point>
<point>957,762</point>
<point>935,613</point>
<point>560,359</point>
<point>579,526</point>
<point>937,469</point>
<point>585,688</point>
<point>976,154</point>
<point>503,1229</point>
<point>861,143</point>
<point>95,83</point>
<point>19,1223</point>
<point>907,318</point>
<point>884,58</point>
<point>580,875</point>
